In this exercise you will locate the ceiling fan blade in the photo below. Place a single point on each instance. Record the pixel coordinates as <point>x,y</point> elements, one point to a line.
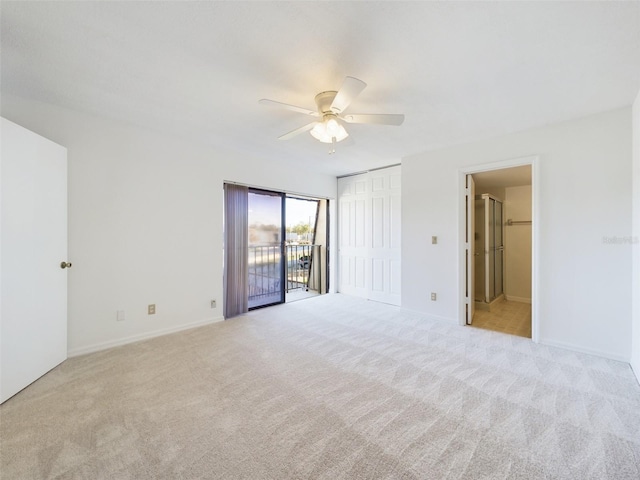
<point>350,89</point>
<point>293,108</point>
<point>297,131</point>
<point>375,118</point>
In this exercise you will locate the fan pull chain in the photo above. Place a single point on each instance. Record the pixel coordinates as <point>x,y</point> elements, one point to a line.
<point>333,146</point>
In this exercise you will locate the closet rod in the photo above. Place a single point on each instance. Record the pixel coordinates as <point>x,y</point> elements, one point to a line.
<point>518,222</point>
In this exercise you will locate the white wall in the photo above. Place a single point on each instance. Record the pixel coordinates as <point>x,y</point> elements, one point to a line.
<point>635,355</point>
<point>584,284</point>
<point>517,241</point>
<point>145,222</point>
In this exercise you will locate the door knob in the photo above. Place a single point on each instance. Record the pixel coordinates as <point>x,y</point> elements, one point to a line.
<point>65,265</point>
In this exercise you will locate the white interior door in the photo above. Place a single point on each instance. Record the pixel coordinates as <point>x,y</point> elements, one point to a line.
<point>370,235</point>
<point>385,235</point>
<point>470,195</point>
<point>353,199</point>
<point>33,244</point>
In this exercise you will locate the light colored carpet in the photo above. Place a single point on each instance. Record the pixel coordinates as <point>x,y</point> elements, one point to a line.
<point>327,388</point>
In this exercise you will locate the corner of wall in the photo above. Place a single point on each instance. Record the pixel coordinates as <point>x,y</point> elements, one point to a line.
<point>635,282</point>
<point>99,346</point>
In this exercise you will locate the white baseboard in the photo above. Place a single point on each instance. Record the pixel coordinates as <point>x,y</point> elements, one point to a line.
<point>588,351</point>
<point>511,298</point>
<point>96,347</point>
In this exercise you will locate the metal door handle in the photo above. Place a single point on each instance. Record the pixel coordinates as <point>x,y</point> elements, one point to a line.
<point>65,265</point>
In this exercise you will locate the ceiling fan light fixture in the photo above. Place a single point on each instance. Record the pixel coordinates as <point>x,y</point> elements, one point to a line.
<point>331,105</point>
<point>329,129</point>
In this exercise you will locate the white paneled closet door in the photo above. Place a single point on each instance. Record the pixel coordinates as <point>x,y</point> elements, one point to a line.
<point>353,194</point>
<point>369,232</point>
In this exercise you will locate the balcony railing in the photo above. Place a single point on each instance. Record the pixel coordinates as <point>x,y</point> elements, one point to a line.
<point>265,274</point>
<point>265,285</point>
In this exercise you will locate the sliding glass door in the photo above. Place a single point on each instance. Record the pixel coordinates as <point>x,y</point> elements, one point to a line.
<point>266,266</point>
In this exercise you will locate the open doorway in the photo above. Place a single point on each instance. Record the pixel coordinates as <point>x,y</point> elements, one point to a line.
<point>306,247</point>
<point>499,250</point>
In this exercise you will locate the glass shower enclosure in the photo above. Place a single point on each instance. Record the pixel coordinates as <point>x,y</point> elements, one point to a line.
<point>489,248</point>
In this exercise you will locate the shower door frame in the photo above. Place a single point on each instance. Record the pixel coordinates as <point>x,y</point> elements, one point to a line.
<point>486,198</point>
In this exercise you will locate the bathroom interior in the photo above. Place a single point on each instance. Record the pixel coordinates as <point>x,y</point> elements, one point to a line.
<point>502,250</point>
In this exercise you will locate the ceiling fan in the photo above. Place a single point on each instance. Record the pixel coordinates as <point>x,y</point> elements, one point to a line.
<point>330,113</point>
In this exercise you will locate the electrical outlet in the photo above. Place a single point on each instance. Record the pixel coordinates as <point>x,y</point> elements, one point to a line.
<point>213,304</point>
<point>434,240</point>
<point>120,316</point>
<point>151,309</point>
<point>433,296</point>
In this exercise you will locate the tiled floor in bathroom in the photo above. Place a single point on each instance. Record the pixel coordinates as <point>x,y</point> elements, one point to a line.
<point>513,318</point>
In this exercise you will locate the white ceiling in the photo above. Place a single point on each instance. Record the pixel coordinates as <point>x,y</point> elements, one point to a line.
<point>458,71</point>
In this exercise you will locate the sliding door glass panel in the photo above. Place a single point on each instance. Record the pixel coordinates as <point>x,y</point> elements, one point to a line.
<point>492,249</point>
<point>265,259</point>
<point>498,277</point>
<point>498,225</point>
<point>479,247</point>
<point>499,249</point>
